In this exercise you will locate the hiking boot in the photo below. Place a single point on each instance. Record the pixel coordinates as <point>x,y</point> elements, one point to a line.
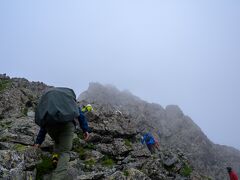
<point>54,160</point>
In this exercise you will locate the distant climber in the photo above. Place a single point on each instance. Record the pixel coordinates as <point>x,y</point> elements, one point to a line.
<point>232,174</point>
<point>57,114</point>
<point>150,142</point>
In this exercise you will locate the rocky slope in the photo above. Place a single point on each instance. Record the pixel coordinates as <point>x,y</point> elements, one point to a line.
<point>114,150</point>
<point>176,129</point>
<point>18,95</point>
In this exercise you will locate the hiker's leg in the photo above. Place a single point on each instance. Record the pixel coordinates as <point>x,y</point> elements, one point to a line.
<point>64,146</point>
<point>152,147</point>
<point>155,148</point>
<point>53,132</point>
<point>158,146</point>
<point>149,148</point>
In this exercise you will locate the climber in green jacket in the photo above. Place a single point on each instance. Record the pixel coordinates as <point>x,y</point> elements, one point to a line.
<point>57,114</point>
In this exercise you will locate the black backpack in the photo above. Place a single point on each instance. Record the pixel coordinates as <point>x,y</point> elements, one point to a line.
<point>57,105</point>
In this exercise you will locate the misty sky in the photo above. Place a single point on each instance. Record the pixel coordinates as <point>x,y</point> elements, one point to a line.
<point>182,52</point>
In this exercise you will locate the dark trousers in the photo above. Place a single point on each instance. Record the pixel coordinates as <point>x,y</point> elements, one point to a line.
<point>151,148</point>
<point>62,135</point>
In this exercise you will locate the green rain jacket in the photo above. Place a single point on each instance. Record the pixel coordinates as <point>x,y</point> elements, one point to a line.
<point>57,105</point>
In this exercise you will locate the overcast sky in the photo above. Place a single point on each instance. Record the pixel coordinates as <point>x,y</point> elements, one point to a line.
<point>182,52</point>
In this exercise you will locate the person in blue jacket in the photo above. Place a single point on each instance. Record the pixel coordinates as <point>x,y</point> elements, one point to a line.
<point>63,136</point>
<point>150,142</point>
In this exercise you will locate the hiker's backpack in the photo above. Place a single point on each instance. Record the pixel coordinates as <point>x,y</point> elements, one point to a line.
<point>57,105</point>
<point>148,137</point>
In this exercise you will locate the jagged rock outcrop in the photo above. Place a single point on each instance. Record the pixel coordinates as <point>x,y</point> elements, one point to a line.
<point>176,129</point>
<point>18,96</point>
<point>113,151</point>
<point>105,156</point>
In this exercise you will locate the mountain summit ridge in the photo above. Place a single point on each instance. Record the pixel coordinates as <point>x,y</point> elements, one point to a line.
<point>118,119</point>
<point>177,130</point>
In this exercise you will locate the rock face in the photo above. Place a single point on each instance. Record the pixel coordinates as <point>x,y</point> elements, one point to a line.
<point>113,151</point>
<point>175,129</point>
<point>18,96</point>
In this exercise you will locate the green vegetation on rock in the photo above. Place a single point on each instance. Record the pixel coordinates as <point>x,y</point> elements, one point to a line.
<point>81,151</point>
<point>127,142</point>
<point>77,147</point>
<point>90,146</point>
<point>126,173</point>
<point>5,124</point>
<point>186,171</point>
<point>107,161</point>
<point>4,83</point>
<point>20,147</point>
<point>44,167</point>
<point>80,134</point>
<point>90,163</point>
<point>25,111</point>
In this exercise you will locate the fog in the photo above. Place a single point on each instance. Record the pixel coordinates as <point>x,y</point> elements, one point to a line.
<point>168,52</point>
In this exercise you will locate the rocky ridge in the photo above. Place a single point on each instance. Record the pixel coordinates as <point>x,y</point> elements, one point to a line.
<point>114,150</point>
<point>177,130</point>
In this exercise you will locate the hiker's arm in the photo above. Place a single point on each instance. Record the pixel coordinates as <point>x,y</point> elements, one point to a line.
<point>83,122</point>
<point>86,136</point>
<point>40,137</point>
<point>84,125</point>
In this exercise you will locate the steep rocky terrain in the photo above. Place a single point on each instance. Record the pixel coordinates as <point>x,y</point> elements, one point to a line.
<point>176,129</point>
<point>18,95</point>
<point>114,150</point>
